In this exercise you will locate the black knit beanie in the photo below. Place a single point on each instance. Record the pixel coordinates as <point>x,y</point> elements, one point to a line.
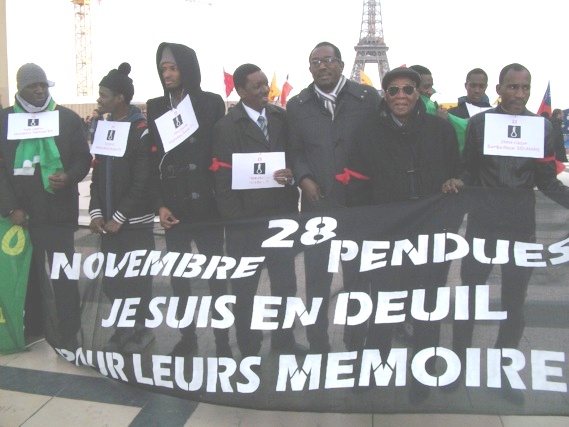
<point>119,81</point>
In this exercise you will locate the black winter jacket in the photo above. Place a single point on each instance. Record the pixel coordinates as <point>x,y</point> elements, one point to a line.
<point>237,133</point>
<point>185,181</point>
<point>320,147</point>
<point>27,192</point>
<point>410,161</point>
<point>120,185</point>
<point>506,171</point>
<point>461,110</point>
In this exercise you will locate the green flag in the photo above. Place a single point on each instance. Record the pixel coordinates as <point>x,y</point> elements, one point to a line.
<point>458,123</point>
<point>15,258</point>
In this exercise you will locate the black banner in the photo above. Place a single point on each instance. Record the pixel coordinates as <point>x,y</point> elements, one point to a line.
<point>455,303</point>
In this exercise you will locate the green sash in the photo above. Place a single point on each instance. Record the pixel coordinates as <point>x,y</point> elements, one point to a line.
<point>44,151</point>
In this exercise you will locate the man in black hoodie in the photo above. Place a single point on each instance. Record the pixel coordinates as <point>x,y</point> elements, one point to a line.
<point>182,148</point>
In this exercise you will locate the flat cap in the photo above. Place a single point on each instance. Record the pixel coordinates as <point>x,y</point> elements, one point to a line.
<point>400,72</point>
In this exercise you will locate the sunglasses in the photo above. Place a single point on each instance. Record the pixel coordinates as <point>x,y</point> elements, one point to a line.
<point>394,90</point>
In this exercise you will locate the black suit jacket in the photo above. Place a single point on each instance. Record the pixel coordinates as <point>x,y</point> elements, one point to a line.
<point>237,133</point>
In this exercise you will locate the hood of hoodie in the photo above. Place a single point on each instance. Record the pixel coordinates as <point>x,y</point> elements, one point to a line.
<point>188,65</point>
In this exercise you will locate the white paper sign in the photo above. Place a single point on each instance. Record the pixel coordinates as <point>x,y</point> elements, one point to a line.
<point>255,170</point>
<point>515,136</point>
<point>33,125</point>
<point>110,138</point>
<point>473,109</point>
<point>178,124</point>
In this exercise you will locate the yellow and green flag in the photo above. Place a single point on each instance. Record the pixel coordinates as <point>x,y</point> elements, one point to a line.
<point>15,258</point>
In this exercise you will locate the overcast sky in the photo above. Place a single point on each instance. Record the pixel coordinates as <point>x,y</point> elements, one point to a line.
<point>448,36</point>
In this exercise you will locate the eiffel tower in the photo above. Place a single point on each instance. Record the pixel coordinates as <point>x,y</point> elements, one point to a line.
<point>371,47</point>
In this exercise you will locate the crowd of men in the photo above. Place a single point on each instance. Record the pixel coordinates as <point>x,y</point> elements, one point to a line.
<point>344,145</point>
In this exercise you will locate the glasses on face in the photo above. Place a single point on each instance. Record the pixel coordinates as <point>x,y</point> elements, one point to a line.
<point>394,90</point>
<point>326,61</point>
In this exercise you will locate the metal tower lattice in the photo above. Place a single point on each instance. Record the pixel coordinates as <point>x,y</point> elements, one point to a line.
<point>83,56</point>
<point>371,47</point>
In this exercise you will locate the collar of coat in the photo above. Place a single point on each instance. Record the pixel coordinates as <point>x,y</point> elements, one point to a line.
<point>417,115</point>
<point>351,88</point>
<point>500,110</point>
<point>238,112</point>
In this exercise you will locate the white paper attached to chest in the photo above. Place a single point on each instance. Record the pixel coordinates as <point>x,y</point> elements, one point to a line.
<point>255,170</point>
<point>110,138</point>
<point>33,125</point>
<point>178,124</point>
<point>515,136</point>
<point>473,109</point>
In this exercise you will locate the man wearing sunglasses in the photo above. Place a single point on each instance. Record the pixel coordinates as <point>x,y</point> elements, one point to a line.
<point>323,120</point>
<point>410,153</point>
<point>408,156</point>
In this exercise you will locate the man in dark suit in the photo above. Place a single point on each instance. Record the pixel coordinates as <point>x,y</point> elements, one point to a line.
<point>325,119</point>
<point>254,126</point>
